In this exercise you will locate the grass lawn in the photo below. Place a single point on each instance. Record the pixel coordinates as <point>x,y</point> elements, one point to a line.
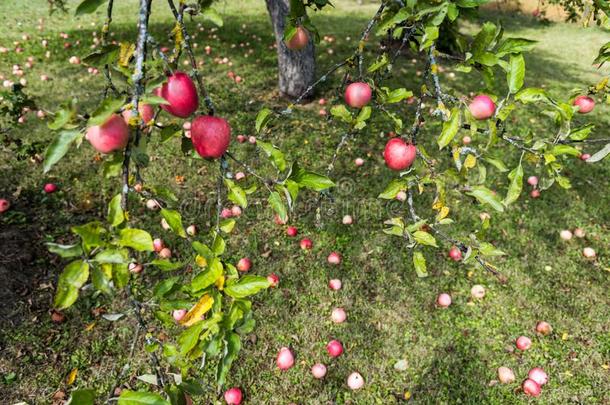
<point>394,336</point>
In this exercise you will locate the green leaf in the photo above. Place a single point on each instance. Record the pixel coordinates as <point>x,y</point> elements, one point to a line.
<point>65,251</point>
<point>120,274</point>
<point>485,196</point>
<point>141,398</point>
<point>430,35</point>
<point>398,95</point>
<point>533,95</point>
<point>166,265</point>
<point>116,216</point>
<point>101,276</point>
<point>365,114</point>
<point>424,238</point>
<point>236,193</point>
<point>105,110</point>
<point>112,256</point>
<point>246,286</point>
<point>208,276</point>
<point>497,163</point>
<point>310,180</point>
<point>58,148</point>
<point>276,155</point>
<point>82,397</point>
<point>190,337</point>
<point>64,115</point>
<point>174,220</point>
<point>419,262</point>
<point>515,45</point>
<point>600,154</point>
<point>581,133</point>
<point>262,118</point>
<point>516,73</point>
<point>378,64</point>
<point>276,202</point>
<point>90,233</point>
<point>483,39</point>
<point>516,185</point>
<point>218,246</point>
<point>88,6</point>
<point>450,128</point>
<point>393,188</point>
<point>227,225</point>
<point>107,55</point>
<point>487,249</point>
<point>137,239</point>
<point>232,350</point>
<point>341,112</point>
<point>213,16</point>
<point>73,277</point>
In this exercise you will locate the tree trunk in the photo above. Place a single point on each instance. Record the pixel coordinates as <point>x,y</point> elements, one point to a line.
<point>296,68</point>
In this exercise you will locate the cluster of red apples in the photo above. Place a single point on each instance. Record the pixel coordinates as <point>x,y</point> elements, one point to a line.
<point>210,135</point>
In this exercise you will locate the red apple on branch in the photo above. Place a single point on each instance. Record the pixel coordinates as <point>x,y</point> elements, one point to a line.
<point>110,136</point>
<point>585,104</point>
<point>482,107</point>
<point>358,94</point>
<point>398,154</point>
<point>181,94</point>
<point>299,40</point>
<point>210,136</point>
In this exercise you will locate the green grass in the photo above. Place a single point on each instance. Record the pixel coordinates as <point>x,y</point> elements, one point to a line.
<point>451,354</point>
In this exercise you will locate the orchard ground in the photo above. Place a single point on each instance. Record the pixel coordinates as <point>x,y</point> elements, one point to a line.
<point>394,335</point>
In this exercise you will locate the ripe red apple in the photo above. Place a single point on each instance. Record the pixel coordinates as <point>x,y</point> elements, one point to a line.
<point>334,258</point>
<point>589,253</point>
<point>544,328</point>
<point>241,138</point>
<point>579,233</point>
<point>584,156</point>
<point>565,234</point>
<point>358,162</point>
<point>4,205</point>
<point>50,188</point>
<point>506,375</point>
<point>338,315</point>
<point>477,291</point>
<point>523,343</point>
<point>292,231</point>
<point>335,284</point>
<point>482,107</point>
<point>244,264</point>
<point>531,388</point>
<point>285,359</point>
<point>347,220</point>
<point>273,279</point>
<point>299,40</point>
<point>443,300</point>
<point>466,140</point>
<point>152,204</point>
<point>233,396</point>
<point>355,381</point>
<point>178,314</point>
<point>165,253</point>
<point>226,213</point>
<point>210,136</point>
<point>318,370</point>
<point>191,230</point>
<point>180,92</point>
<point>236,210</point>
<point>334,348</point>
<point>110,136</point>
<point>585,104</point>
<point>398,154</point>
<point>535,193</point>
<point>537,374</point>
<point>401,196</point>
<point>57,317</point>
<point>455,254</point>
<point>158,245</point>
<point>135,268</point>
<point>358,94</point>
<point>306,244</point>
<point>532,181</point>
<point>147,113</point>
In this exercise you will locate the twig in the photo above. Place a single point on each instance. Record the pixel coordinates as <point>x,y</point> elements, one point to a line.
<point>138,80</point>
<point>364,36</point>
<point>222,166</point>
<point>149,341</point>
<point>151,40</point>
<point>179,16</point>
<point>134,340</point>
<point>598,140</point>
<point>251,171</point>
<point>322,78</point>
<point>105,31</point>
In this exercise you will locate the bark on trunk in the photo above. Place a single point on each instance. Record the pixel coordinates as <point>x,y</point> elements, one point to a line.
<point>296,68</point>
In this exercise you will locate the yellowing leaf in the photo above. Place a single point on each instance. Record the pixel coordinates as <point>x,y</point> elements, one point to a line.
<point>438,204</point>
<point>470,162</point>
<point>125,53</point>
<point>220,283</point>
<point>196,313</point>
<point>442,213</point>
<point>565,336</point>
<point>90,327</point>
<point>200,260</point>
<point>72,376</point>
